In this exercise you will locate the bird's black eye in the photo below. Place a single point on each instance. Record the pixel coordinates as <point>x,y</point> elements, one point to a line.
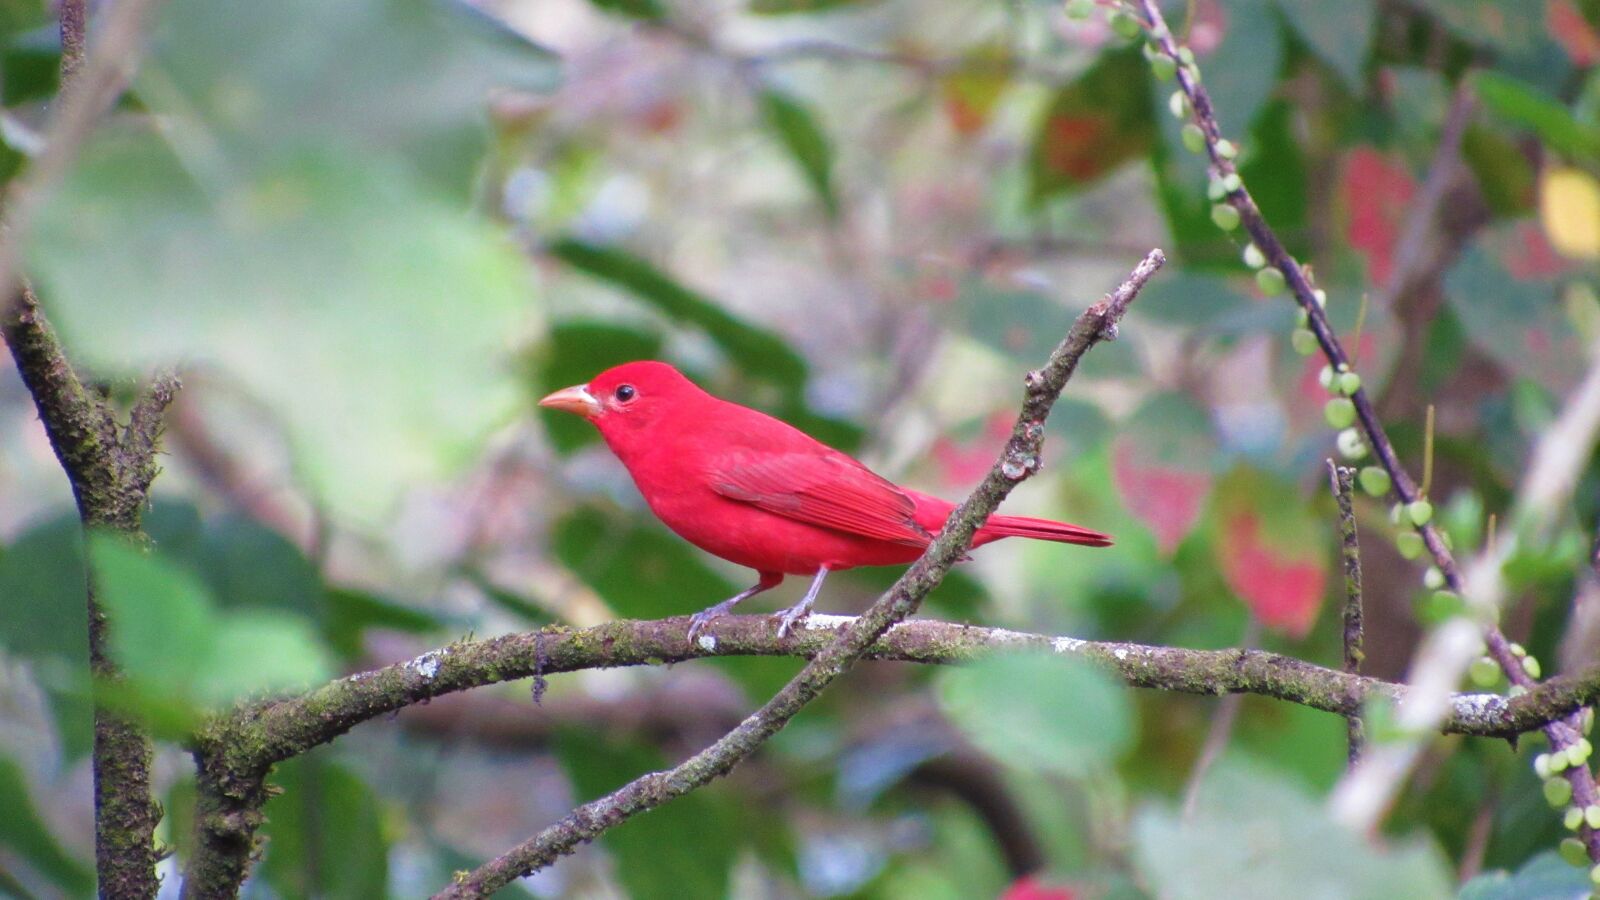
<point>625,392</point>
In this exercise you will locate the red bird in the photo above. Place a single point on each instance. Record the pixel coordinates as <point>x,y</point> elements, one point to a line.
<point>756,491</point>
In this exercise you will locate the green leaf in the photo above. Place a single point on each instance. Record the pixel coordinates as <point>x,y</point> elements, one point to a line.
<point>802,136</point>
<point>1094,125</point>
<point>656,857</point>
<point>178,651</point>
<point>351,613</point>
<point>1242,72</point>
<point>1504,174</point>
<point>1255,835</point>
<point>787,7</point>
<point>248,564</point>
<point>575,352</point>
<point>1040,712</point>
<point>261,651</point>
<point>307,216</point>
<point>756,350</point>
<point>645,10</point>
<point>1522,104</point>
<point>1340,33</point>
<point>641,570</point>
<point>1516,321</point>
<point>25,834</point>
<point>1544,877</point>
<point>160,615</point>
<point>324,833</point>
<point>44,619</point>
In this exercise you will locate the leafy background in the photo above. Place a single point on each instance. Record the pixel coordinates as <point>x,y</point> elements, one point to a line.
<point>374,231</point>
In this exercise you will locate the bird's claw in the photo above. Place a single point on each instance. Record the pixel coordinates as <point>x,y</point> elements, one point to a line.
<point>792,616</point>
<point>699,621</point>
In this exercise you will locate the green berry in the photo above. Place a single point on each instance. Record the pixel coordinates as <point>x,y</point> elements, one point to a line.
<point>1305,343</point>
<point>1214,189</point>
<point>1433,579</point>
<point>1124,23</point>
<point>1186,56</point>
<point>1340,413</point>
<point>1253,257</point>
<point>1420,512</point>
<point>1163,67</point>
<point>1574,852</point>
<point>1178,105</point>
<point>1226,217</point>
<point>1349,383</point>
<point>1541,766</point>
<point>1409,543</point>
<point>1231,182</point>
<point>1325,377</point>
<point>1591,815</point>
<point>1558,764</point>
<point>1321,296</point>
<point>1226,149</point>
<point>1485,673</point>
<point>1557,792</point>
<point>1194,140</point>
<point>1517,650</point>
<point>1530,664</point>
<point>1397,514</point>
<point>1374,480</point>
<point>1351,445</point>
<point>1588,719</point>
<point>1270,281</point>
<point>1594,873</point>
<point>1573,820</point>
<point>1516,690</point>
<point>1302,319</point>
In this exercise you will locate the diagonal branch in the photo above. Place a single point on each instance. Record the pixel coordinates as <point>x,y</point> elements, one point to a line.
<point>1019,460</point>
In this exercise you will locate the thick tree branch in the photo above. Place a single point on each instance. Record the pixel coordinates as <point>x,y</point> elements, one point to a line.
<point>252,739</point>
<point>1017,461</point>
<point>109,473</point>
<point>1443,659</point>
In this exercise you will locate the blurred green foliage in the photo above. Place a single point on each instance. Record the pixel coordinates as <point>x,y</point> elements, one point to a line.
<point>373,232</point>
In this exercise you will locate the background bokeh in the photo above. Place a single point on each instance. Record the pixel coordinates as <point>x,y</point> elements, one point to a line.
<point>372,232</point>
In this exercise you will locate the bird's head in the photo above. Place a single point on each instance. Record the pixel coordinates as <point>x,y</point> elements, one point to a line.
<point>625,398</point>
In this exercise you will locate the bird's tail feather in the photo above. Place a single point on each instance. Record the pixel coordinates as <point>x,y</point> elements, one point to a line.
<point>1041,530</point>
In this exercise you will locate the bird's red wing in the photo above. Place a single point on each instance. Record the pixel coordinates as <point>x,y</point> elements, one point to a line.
<point>827,489</point>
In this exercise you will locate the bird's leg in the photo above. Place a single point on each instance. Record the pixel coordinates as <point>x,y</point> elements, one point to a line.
<point>800,610</point>
<point>699,621</point>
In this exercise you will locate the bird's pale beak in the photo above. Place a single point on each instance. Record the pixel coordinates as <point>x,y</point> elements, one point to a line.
<point>575,399</point>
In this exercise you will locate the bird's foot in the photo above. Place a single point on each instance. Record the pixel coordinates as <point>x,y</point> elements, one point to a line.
<point>701,619</point>
<point>795,614</point>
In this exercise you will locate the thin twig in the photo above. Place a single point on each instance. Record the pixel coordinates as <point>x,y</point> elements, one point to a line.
<point>1343,482</point>
<point>1365,793</point>
<point>74,34</point>
<point>1019,460</point>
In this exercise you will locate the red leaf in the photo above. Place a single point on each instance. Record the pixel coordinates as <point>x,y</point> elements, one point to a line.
<point>1572,31</point>
<point>1028,887</point>
<point>1166,499</point>
<point>1282,593</point>
<point>963,462</point>
<point>1377,190</point>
